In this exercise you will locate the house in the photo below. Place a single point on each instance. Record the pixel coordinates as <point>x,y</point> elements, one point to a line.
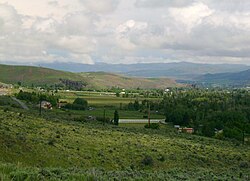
<point>184,130</point>
<point>187,130</point>
<point>46,105</point>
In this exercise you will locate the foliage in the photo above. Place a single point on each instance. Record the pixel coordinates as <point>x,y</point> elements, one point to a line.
<point>73,85</point>
<point>78,104</point>
<point>116,117</point>
<point>210,111</point>
<point>152,125</point>
<point>35,97</point>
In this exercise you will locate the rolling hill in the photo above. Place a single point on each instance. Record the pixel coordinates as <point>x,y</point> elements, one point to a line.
<point>102,80</point>
<point>29,75</point>
<point>238,78</point>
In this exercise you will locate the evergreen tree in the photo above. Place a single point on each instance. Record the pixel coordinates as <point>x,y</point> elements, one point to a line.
<point>116,117</point>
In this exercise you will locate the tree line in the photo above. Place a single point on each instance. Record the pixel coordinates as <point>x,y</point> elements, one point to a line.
<point>223,114</point>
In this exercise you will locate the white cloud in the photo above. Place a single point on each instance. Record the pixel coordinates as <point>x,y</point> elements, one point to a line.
<point>191,16</point>
<point>125,31</point>
<point>100,6</point>
<point>162,3</point>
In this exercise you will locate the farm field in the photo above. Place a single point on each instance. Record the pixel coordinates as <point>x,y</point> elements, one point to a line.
<point>49,148</point>
<point>100,99</point>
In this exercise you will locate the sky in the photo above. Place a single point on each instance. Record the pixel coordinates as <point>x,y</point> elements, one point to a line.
<point>125,31</point>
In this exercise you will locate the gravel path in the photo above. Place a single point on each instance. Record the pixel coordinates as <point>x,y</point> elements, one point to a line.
<point>21,103</point>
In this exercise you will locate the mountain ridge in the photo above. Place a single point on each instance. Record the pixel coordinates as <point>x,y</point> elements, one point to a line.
<point>237,78</point>
<point>176,70</point>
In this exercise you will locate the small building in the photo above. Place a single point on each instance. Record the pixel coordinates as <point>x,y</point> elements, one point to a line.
<point>177,127</point>
<point>187,130</point>
<point>46,105</point>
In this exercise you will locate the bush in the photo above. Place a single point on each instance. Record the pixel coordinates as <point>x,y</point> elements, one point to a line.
<point>103,120</point>
<point>147,161</point>
<point>153,126</point>
<point>78,104</point>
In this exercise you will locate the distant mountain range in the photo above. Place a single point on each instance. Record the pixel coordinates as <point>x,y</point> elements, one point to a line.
<point>181,70</point>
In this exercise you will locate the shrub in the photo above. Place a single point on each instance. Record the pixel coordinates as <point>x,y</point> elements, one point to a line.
<point>244,165</point>
<point>78,104</point>
<point>51,142</point>
<point>153,126</point>
<point>147,161</point>
<point>103,120</point>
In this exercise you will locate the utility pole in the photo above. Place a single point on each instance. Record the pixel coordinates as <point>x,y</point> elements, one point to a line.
<point>40,105</point>
<point>149,114</point>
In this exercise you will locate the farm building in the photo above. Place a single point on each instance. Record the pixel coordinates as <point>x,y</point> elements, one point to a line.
<point>46,105</point>
<point>186,130</point>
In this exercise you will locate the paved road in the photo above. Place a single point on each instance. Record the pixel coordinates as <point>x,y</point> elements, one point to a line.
<point>21,103</point>
<point>139,120</point>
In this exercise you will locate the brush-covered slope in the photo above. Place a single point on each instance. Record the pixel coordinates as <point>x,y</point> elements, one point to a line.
<point>34,148</point>
<point>28,75</point>
<point>108,80</point>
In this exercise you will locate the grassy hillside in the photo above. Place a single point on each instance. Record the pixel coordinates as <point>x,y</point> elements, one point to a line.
<point>33,75</point>
<point>104,80</point>
<point>28,75</point>
<point>35,148</point>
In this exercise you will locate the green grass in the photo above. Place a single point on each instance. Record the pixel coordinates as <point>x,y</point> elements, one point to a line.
<point>55,147</point>
<point>34,75</point>
<point>100,99</point>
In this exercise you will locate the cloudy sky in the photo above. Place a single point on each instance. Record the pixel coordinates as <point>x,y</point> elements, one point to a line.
<point>125,31</point>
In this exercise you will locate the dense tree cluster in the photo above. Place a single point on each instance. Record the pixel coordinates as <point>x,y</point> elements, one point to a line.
<point>35,97</point>
<point>210,112</point>
<point>78,104</point>
<point>73,85</point>
<point>143,105</point>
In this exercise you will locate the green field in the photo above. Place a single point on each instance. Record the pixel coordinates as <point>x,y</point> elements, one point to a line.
<point>101,99</point>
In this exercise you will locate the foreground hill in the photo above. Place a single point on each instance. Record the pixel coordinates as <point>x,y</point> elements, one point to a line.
<point>238,78</point>
<point>54,148</point>
<point>28,75</point>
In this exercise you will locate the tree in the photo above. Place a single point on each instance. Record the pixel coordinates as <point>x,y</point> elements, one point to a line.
<point>116,117</point>
<point>81,102</point>
<point>78,104</point>
<point>136,105</point>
